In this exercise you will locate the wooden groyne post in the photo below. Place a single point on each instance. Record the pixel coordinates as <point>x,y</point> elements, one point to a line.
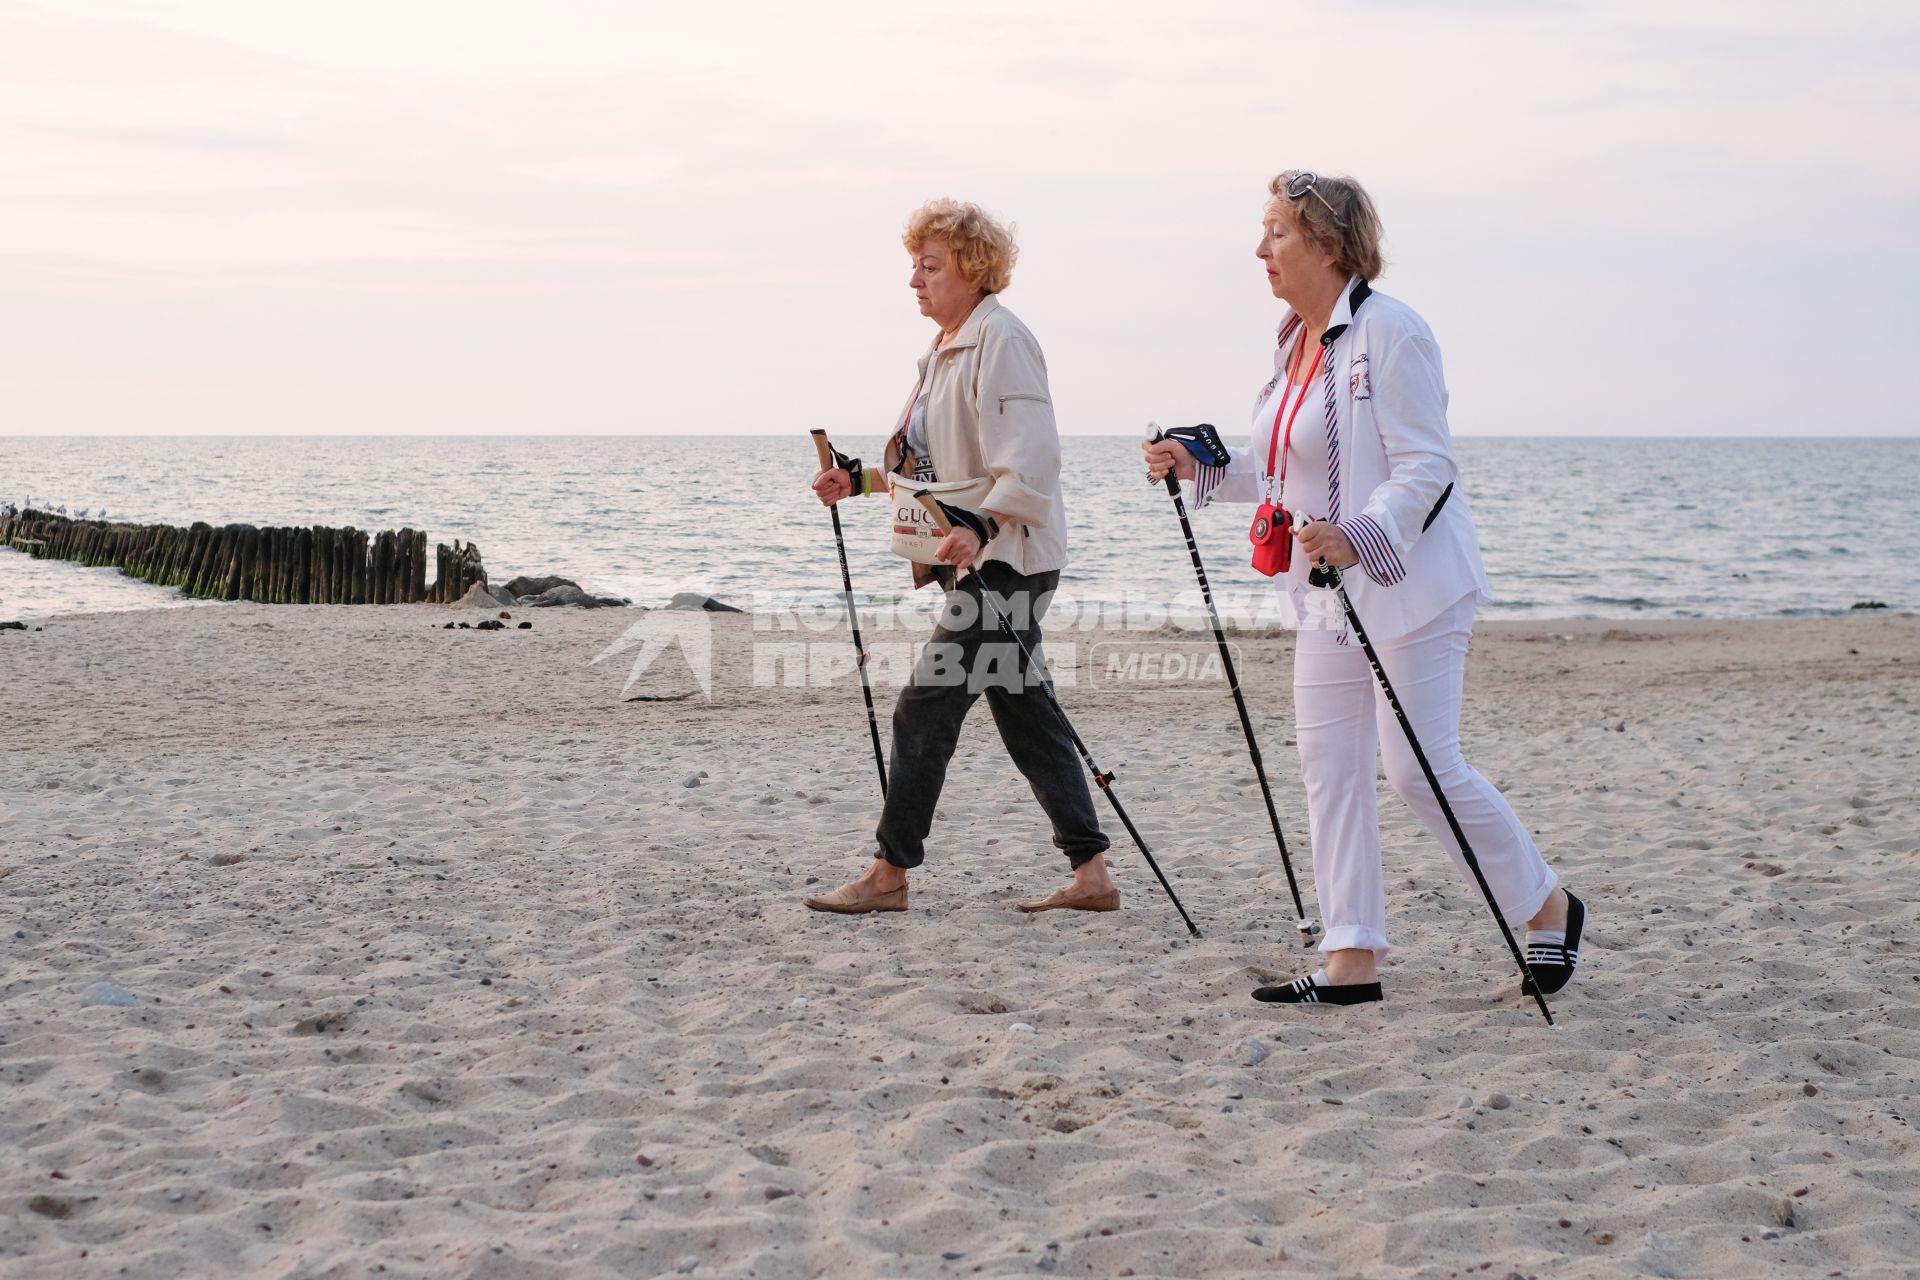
<point>276,565</point>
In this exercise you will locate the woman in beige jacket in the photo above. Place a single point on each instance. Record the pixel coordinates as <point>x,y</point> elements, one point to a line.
<point>980,410</point>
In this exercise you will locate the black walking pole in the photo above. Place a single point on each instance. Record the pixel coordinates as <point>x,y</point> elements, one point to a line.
<point>1307,928</point>
<point>1327,575</point>
<point>1103,780</point>
<point>830,459</point>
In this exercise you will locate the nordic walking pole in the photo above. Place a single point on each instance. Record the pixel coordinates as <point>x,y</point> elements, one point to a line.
<point>1308,928</point>
<point>1103,780</point>
<point>1330,576</point>
<point>829,460</point>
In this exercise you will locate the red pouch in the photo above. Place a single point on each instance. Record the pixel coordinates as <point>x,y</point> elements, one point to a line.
<point>1272,538</point>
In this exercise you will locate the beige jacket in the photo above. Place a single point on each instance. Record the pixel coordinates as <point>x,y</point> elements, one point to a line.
<point>989,413</point>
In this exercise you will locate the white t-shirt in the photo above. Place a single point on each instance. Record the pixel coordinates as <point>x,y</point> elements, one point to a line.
<point>1306,490</point>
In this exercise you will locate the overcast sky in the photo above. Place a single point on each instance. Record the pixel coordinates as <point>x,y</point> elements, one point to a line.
<point>456,216</point>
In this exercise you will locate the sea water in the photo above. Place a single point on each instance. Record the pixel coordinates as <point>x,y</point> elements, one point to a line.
<point>1618,528</point>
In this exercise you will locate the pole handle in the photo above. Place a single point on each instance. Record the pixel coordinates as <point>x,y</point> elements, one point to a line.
<point>1325,575</point>
<point>824,449</point>
<point>926,499</point>
<point>1173,482</point>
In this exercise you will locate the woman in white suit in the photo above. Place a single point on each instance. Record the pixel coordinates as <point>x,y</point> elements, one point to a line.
<point>1351,431</point>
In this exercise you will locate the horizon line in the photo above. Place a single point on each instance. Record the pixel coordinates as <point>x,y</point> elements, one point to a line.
<point>785,434</point>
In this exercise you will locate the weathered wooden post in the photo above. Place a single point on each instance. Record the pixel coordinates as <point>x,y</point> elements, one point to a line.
<point>317,568</point>
<point>203,571</point>
<point>256,564</point>
<point>343,558</point>
<point>242,551</point>
<point>226,585</point>
<point>202,544</point>
<point>243,563</point>
<point>402,567</point>
<point>362,569</point>
<point>333,566</point>
<point>275,538</point>
<point>298,546</point>
<point>289,563</point>
<point>179,540</point>
<point>328,538</point>
<point>302,565</point>
<point>377,584</point>
<point>417,567</point>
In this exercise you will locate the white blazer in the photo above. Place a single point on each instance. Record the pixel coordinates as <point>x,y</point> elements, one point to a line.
<point>1396,491</point>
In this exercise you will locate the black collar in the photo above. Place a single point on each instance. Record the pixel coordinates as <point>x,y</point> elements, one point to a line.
<point>1357,293</point>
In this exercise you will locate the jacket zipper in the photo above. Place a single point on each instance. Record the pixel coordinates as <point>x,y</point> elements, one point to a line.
<point>1020,395</point>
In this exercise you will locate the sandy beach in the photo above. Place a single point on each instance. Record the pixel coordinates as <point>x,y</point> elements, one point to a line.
<point>449,962</point>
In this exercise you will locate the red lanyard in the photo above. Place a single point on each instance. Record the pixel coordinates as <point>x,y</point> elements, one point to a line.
<point>1276,447</point>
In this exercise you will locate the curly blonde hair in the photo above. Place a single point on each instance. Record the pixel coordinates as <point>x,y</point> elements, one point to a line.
<point>979,246</point>
<point>1337,217</point>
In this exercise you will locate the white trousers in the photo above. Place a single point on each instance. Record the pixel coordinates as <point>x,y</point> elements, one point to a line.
<point>1343,720</point>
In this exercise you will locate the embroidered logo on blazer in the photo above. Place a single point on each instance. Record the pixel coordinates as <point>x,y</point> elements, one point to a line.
<point>1359,384</point>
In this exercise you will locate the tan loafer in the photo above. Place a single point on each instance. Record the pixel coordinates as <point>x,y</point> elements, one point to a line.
<point>1064,900</point>
<point>845,901</point>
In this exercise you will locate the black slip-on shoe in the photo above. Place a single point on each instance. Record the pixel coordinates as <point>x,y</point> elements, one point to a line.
<point>1551,965</point>
<point>1310,990</point>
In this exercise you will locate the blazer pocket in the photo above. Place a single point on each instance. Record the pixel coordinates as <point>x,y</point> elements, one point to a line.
<point>1021,395</point>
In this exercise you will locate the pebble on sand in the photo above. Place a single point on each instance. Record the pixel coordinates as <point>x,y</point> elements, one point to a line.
<point>108,993</point>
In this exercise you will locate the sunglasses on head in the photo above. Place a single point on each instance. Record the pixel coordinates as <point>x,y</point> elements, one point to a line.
<point>1300,182</point>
